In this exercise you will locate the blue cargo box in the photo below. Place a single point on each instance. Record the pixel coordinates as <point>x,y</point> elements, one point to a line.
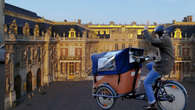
<point>114,62</point>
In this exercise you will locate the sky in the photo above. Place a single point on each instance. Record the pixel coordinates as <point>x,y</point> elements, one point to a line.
<point>104,11</point>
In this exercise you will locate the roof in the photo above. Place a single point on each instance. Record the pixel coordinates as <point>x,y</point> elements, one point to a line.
<point>21,11</point>
<point>20,23</point>
<point>32,19</point>
<point>187,30</point>
<point>64,29</point>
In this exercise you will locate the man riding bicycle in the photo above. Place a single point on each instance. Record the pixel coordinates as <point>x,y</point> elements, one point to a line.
<point>161,40</point>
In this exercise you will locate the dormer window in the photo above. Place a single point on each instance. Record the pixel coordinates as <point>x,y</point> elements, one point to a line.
<point>72,33</point>
<point>177,34</point>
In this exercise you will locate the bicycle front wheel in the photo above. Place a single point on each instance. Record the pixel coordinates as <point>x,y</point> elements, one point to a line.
<point>172,96</point>
<point>104,101</point>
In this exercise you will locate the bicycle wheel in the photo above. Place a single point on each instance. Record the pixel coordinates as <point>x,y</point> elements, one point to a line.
<point>105,103</point>
<point>172,96</point>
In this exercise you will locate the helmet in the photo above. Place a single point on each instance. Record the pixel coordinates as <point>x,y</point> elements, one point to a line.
<point>159,30</point>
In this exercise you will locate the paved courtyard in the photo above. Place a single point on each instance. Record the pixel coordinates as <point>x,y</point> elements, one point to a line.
<point>72,95</point>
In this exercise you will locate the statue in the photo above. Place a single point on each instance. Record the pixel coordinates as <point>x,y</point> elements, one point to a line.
<point>49,31</point>
<point>7,58</point>
<point>5,28</point>
<point>43,34</point>
<point>36,30</point>
<point>13,27</point>
<point>26,29</point>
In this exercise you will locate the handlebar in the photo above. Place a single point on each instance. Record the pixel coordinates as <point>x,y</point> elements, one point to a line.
<point>143,59</point>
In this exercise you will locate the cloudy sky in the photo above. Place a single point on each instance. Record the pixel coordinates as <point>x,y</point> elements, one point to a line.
<point>103,11</point>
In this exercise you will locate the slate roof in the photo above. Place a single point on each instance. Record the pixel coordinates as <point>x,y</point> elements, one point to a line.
<point>15,9</point>
<point>187,30</point>
<point>60,29</point>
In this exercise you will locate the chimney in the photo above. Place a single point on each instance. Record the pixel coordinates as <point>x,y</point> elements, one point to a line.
<point>174,21</point>
<point>185,19</point>
<point>65,20</point>
<point>111,23</point>
<point>189,18</point>
<point>79,21</point>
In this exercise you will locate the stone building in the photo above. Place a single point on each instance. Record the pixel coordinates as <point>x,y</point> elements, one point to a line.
<point>182,35</point>
<point>114,37</point>
<point>39,51</point>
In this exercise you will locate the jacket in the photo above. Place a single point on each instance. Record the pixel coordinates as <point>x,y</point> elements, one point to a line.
<point>165,64</point>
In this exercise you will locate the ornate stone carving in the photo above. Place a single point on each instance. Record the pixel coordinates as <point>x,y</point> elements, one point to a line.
<point>35,53</point>
<point>25,54</point>
<point>57,37</point>
<point>26,29</point>
<point>54,34</point>
<point>12,37</point>
<point>43,52</point>
<point>64,35</point>
<point>5,28</point>
<point>7,58</point>
<point>42,34</point>
<point>49,31</point>
<point>13,27</point>
<point>36,30</point>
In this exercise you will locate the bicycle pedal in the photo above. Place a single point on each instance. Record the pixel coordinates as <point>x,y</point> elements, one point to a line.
<point>141,97</point>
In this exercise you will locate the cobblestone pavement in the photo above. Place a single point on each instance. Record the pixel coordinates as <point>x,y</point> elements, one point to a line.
<point>72,95</point>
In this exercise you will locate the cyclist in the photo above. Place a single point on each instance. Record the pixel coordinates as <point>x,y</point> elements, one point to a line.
<point>161,40</point>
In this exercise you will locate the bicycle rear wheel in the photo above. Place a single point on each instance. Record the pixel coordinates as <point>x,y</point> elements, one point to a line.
<point>172,96</point>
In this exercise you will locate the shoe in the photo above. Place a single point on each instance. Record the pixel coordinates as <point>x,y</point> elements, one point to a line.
<point>150,107</point>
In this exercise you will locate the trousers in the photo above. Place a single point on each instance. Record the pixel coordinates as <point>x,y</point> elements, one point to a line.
<point>149,80</point>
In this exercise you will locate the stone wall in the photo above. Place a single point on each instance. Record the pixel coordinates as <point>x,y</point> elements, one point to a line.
<point>1,19</point>
<point>2,85</point>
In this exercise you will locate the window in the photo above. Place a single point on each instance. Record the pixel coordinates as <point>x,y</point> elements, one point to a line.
<point>130,45</point>
<point>123,46</point>
<point>116,46</point>
<point>78,52</point>
<point>130,36</point>
<point>72,34</point>
<point>64,51</point>
<point>63,68</point>
<point>187,52</point>
<point>179,50</point>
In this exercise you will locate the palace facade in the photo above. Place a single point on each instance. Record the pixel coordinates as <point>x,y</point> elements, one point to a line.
<point>40,51</point>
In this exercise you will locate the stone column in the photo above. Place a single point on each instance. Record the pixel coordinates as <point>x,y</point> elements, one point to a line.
<point>68,70</point>
<point>83,65</point>
<point>74,67</point>
<point>58,60</point>
<point>46,60</point>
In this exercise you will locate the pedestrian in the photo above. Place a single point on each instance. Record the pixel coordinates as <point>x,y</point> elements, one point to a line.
<point>163,66</point>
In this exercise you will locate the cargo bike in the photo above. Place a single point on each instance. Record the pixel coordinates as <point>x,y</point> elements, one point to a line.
<point>116,75</point>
